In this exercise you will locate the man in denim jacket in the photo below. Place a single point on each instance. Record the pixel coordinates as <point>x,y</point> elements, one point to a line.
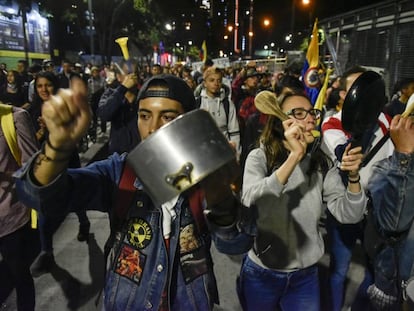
<point>392,191</point>
<point>160,259</point>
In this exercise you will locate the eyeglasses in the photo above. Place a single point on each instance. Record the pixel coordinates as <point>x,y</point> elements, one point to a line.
<point>301,113</point>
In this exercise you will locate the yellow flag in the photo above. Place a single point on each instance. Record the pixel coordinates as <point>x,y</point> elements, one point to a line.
<point>322,93</point>
<point>204,48</point>
<point>312,55</point>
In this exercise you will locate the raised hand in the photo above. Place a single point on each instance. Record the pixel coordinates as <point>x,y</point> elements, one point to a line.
<point>402,134</point>
<point>296,137</point>
<point>351,160</point>
<point>130,80</point>
<point>67,116</point>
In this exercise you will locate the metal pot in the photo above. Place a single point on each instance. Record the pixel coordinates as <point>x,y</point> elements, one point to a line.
<point>180,154</point>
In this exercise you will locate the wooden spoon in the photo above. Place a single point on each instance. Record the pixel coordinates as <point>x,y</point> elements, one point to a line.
<point>409,109</point>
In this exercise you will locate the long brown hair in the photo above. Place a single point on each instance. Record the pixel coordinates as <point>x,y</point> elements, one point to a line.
<point>276,153</point>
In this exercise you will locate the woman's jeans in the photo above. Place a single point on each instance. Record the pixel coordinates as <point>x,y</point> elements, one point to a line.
<point>268,290</point>
<point>342,240</point>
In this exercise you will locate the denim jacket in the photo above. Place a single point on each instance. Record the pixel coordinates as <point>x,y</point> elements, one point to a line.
<point>392,192</point>
<point>141,266</point>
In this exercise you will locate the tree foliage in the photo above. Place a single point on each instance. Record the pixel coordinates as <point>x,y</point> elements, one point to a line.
<point>139,20</point>
<point>142,21</point>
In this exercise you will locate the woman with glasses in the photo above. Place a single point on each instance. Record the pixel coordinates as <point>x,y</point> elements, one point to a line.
<point>288,179</point>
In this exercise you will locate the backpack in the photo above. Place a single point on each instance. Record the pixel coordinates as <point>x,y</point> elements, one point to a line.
<point>384,254</point>
<point>9,131</point>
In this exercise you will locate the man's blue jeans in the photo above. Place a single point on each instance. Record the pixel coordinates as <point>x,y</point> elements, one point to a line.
<point>341,242</point>
<point>268,290</point>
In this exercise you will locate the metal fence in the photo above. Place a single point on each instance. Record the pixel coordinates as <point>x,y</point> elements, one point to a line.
<point>377,36</point>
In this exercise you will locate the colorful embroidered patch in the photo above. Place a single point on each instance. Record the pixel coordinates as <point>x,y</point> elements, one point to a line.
<point>188,239</point>
<point>192,254</point>
<point>139,233</point>
<point>130,263</point>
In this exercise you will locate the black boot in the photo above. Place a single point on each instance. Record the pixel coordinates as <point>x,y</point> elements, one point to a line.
<point>83,234</point>
<point>43,264</point>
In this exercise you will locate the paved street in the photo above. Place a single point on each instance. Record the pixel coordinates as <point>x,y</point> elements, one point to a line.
<point>75,282</point>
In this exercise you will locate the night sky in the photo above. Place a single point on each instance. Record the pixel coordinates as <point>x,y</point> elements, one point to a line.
<point>280,14</point>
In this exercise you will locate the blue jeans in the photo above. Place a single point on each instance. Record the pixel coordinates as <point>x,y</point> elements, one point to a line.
<point>342,239</point>
<point>268,290</point>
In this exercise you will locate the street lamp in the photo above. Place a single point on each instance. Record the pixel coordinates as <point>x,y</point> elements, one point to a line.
<point>227,37</point>
<point>91,28</point>
<point>236,27</point>
<point>170,27</point>
<point>292,20</point>
<point>251,28</point>
<point>189,43</point>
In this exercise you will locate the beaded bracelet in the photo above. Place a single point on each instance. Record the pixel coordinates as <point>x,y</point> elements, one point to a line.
<point>47,158</point>
<point>57,149</point>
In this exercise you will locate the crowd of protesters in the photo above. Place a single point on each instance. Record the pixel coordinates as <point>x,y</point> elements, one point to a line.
<point>291,180</point>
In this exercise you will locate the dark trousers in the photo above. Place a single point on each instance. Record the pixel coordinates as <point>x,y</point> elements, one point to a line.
<point>17,250</point>
<point>48,226</point>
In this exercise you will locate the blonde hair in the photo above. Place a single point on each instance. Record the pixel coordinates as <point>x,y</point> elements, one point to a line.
<point>212,70</point>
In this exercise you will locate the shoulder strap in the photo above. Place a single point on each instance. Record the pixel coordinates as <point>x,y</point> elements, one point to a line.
<point>198,101</point>
<point>124,196</point>
<point>226,105</point>
<point>196,200</point>
<point>126,191</point>
<point>9,130</point>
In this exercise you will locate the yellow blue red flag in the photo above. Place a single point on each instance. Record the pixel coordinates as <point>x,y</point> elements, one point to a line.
<point>310,73</point>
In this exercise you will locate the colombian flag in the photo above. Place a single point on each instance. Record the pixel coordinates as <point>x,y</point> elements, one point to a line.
<point>310,74</point>
<point>203,52</point>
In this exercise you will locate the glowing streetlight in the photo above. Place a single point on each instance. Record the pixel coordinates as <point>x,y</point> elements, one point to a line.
<point>304,3</point>
<point>266,22</point>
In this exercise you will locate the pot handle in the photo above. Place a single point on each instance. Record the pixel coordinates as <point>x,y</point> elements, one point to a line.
<point>182,179</point>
